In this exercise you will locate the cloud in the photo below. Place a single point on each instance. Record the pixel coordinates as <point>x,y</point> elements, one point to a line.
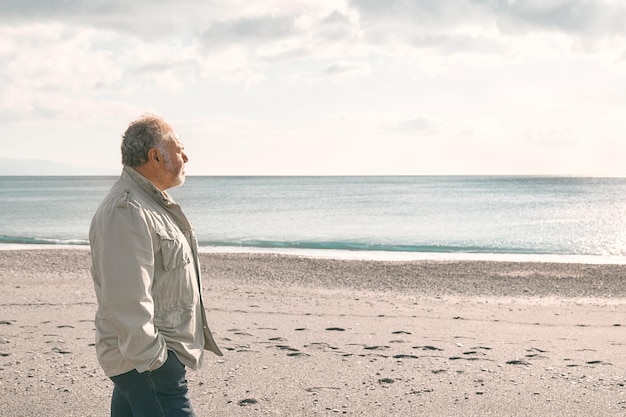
<point>474,43</point>
<point>342,69</point>
<point>570,16</point>
<point>309,32</point>
<point>559,137</point>
<point>55,56</point>
<point>417,125</point>
<point>483,25</point>
<point>249,30</point>
<point>581,17</point>
<point>399,20</point>
<point>45,66</point>
<point>37,9</point>
<point>148,20</point>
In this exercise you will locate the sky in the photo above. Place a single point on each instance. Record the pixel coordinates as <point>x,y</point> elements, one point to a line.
<point>321,87</point>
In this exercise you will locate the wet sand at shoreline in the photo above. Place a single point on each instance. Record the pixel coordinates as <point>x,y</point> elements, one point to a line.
<point>316,337</point>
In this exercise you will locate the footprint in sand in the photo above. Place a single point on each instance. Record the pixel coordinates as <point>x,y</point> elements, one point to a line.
<point>517,362</point>
<point>239,332</point>
<point>321,346</point>
<point>427,347</point>
<point>404,356</point>
<point>292,351</point>
<point>285,347</point>
<point>277,339</point>
<point>376,347</point>
<point>598,363</point>
<point>386,381</point>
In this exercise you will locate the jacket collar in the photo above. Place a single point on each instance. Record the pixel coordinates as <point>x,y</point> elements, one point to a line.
<point>147,186</point>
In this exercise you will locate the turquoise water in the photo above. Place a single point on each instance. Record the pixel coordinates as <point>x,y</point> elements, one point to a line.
<point>447,214</point>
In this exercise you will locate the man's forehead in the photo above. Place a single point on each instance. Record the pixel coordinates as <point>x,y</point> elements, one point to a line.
<point>174,138</point>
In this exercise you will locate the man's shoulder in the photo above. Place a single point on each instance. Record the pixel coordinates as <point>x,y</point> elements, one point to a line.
<point>123,194</point>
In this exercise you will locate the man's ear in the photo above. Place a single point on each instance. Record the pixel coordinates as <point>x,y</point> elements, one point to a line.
<point>154,155</point>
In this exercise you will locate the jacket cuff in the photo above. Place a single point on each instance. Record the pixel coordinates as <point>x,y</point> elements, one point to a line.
<point>156,363</point>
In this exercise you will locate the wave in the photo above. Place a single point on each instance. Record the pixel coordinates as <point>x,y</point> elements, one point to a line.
<point>356,250</point>
<point>377,247</point>
<point>18,240</point>
<point>331,246</point>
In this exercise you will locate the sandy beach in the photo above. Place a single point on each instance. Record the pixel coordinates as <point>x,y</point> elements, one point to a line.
<point>323,337</point>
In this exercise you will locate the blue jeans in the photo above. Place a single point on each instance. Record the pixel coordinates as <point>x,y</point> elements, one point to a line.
<point>159,393</point>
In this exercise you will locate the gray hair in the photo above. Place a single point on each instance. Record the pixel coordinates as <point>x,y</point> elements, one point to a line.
<point>145,133</point>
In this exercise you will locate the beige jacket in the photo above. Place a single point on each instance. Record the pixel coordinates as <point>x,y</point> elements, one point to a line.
<point>146,276</point>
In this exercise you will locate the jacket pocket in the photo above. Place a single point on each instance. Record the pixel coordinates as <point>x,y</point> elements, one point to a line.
<point>172,318</point>
<point>172,250</point>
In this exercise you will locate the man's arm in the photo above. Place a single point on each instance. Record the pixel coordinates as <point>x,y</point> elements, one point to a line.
<point>125,260</point>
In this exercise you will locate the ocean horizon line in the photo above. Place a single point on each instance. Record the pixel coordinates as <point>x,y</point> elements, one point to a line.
<point>355,175</point>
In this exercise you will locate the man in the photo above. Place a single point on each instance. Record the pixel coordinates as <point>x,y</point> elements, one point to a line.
<point>150,323</point>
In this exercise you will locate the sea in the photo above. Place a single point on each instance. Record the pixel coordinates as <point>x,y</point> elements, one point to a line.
<point>526,218</point>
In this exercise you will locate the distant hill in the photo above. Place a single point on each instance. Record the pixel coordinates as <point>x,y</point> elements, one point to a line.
<point>40,167</point>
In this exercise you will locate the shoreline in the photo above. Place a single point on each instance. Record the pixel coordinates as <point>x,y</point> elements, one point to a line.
<point>324,337</point>
<point>386,256</point>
